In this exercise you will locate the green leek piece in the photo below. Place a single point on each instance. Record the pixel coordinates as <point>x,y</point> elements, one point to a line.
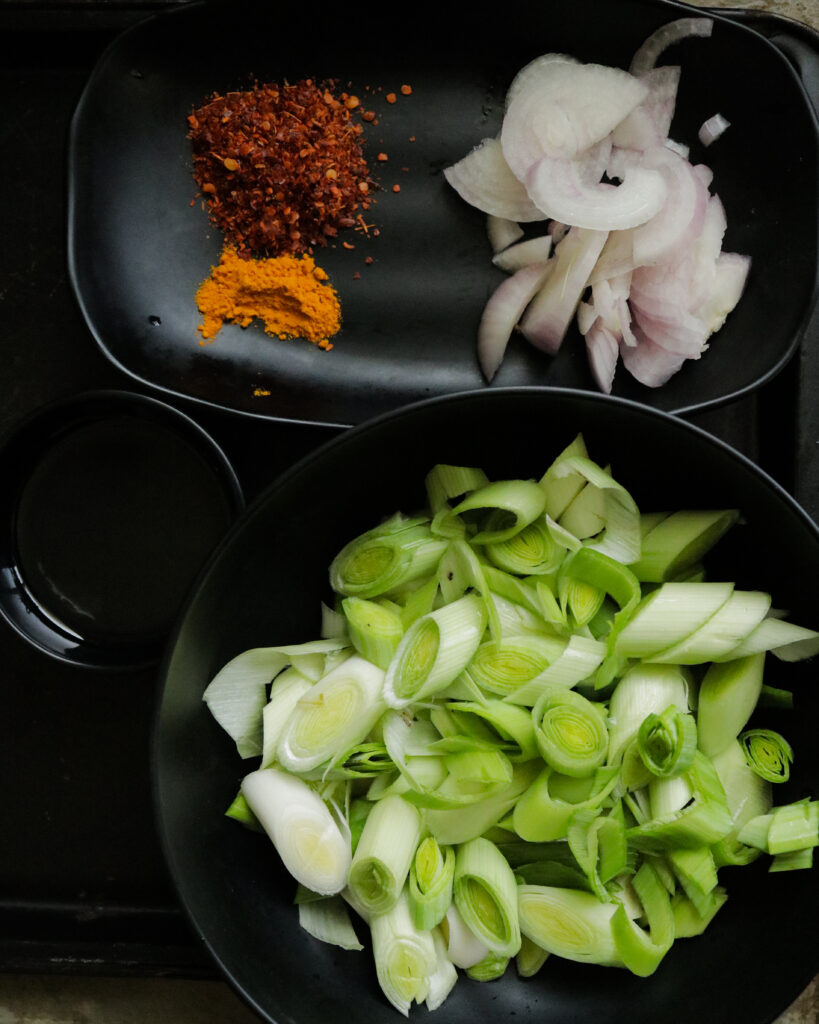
<point>490,968</point>
<point>530,958</point>
<point>382,858</point>
<point>785,640</point>
<point>384,558</point>
<point>585,515</point>
<point>544,810</point>
<point>739,616</point>
<point>434,651</point>
<point>620,538</point>
<point>667,742</point>
<point>451,827</point>
<point>775,697</point>
<point>668,615</point>
<point>333,716</point>
<point>598,843</point>
<point>570,731</point>
<point>581,600</point>
<point>357,814</point>
<point>328,920</point>
<point>364,761</point>
<point>748,796</point>
<point>405,956</point>
<point>485,893</point>
<point>697,873</point>
<point>794,860</point>
<point>443,483</point>
<point>577,662</point>
<point>703,821</point>
<point>643,689</point>
<point>511,725</point>
<point>640,951</point>
<point>504,667</point>
<point>785,829</point>
<point>561,488</point>
<point>768,753</point>
<point>238,692</point>
<point>568,923</point>
<point>374,629</point>
<point>419,601</point>
<point>679,541</point>
<point>501,509</point>
<point>728,694</point>
<point>530,552</point>
<point>688,921</point>
<point>430,883</point>
<point>301,827</point>
<point>240,811</point>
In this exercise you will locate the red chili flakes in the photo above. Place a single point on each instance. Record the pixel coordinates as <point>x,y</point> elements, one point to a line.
<point>396,188</point>
<point>281,167</point>
<point>382,157</point>
<point>390,97</point>
<point>406,90</point>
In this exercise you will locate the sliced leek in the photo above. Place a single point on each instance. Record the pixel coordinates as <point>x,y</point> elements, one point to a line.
<point>384,853</point>
<point>485,893</point>
<point>430,883</point>
<point>571,731</point>
<point>405,956</point>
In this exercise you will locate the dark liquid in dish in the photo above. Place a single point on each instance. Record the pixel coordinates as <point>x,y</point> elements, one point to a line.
<point>113,525</point>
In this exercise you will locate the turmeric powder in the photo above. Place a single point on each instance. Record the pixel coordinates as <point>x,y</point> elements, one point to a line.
<point>290,294</point>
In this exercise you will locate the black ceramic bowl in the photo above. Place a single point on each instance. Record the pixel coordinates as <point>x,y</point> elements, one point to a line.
<point>263,587</point>
<point>139,246</point>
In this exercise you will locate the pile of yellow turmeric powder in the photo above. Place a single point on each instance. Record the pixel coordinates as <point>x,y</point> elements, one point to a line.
<point>290,294</point>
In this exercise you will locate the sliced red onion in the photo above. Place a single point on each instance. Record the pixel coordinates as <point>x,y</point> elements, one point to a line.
<point>586,315</point>
<point>646,56</point>
<point>562,109</point>
<point>503,311</point>
<point>522,254</point>
<point>557,230</point>
<point>616,258</point>
<point>730,277</point>
<point>602,350</point>
<point>678,332</point>
<point>711,129</point>
<point>548,316</point>
<point>680,220</point>
<point>679,148</point>
<point>705,251</point>
<point>502,232</point>
<point>663,84</point>
<point>556,188</point>
<point>532,72</point>
<point>482,178</point>
<point>628,337</point>
<point>637,131</point>
<point>648,363</point>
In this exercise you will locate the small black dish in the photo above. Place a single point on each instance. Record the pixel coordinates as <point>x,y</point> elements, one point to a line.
<point>263,586</point>
<point>111,503</point>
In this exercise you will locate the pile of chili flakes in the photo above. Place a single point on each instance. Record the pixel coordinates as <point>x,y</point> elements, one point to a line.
<point>282,167</point>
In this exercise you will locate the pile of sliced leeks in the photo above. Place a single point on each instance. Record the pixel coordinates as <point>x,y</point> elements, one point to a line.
<point>523,732</point>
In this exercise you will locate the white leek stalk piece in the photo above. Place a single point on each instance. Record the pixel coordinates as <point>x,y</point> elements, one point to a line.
<point>485,893</point>
<point>505,667</point>
<point>302,829</point>
<point>569,923</point>
<point>722,633</point>
<point>532,551</point>
<point>668,615</point>
<point>442,980</point>
<point>334,715</point>
<point>464,948</point>
<point>747,795</point>
<point>384,853</point>
<point>287,690</point>
<point>560,488</point>
<point>577,661</point>
<point>405,958</point>
<point>434,651</point>
<point>504,508</point>
<point>445,482</point>
<point>530,958</point>
<point>728,695</point>
<point>328,920</point>
<point>643,689</point>
<point>238,692</point>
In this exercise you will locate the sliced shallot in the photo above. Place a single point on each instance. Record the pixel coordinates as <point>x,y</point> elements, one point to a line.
<point>555,186</point>
<point>548,316</point>
<point>503,311</point>
<point>602,350</point>
<point>666,35</point>
<point>521,254</point>
<point>711,129</point>
<point>680,220</point>
<point>502,232</point>
<point>483,179</point>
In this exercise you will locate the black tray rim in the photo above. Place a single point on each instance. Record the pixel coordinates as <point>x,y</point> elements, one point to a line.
<point>678,7</point>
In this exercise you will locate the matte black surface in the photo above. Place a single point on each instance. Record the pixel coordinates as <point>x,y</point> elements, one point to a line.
<point>138,249</point>
<point>263,587</point>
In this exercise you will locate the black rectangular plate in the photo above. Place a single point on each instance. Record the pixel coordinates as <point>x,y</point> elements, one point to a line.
<point>138,249</point>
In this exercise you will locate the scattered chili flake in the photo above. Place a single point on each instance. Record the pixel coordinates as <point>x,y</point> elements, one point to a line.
<point>352,102</point>
<point>369,115</point>
<point>382,157</point>
<point>396,188</point>
<point>348,245</point>
<point>281,165</point>
<point>261,392</point>
<point>390,97</point>
<point>357,276</point>
<point>406,90</point>
<point>368,260</point>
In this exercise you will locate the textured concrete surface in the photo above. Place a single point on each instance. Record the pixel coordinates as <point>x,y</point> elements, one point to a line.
<point>32,999</point>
